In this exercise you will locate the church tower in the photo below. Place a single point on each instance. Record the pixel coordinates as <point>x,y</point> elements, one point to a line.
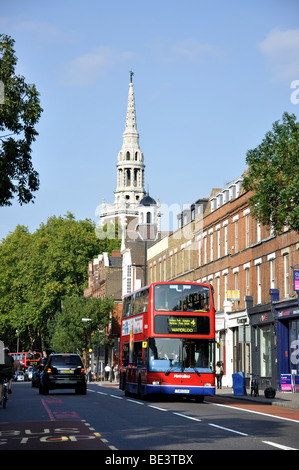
<point>130,172</point>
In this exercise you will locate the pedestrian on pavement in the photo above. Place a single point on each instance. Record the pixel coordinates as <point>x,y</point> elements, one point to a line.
<point>95,375</point>
<point>116,373</point>
<point>112,373</point>
<point>107,371</point>
<point>89,374</point>
<point>219,374</point>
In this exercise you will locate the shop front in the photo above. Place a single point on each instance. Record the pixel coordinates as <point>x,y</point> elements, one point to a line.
<point>263,345</point>
<point>233,343</point>
<point>287,325</point>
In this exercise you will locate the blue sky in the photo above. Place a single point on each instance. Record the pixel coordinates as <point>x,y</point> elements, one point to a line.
<point>210,78</point>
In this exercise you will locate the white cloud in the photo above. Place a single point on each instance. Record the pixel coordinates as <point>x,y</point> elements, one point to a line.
<point>43,32</point>
<point>281,49</point>
<point>86,69</point>
<point>188,50</point>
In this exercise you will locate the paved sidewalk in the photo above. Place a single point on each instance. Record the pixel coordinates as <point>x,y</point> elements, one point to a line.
<point>286,399</point>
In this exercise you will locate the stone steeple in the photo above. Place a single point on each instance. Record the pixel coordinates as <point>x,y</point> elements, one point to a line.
<point>130,172</point>
<point>130,166</point>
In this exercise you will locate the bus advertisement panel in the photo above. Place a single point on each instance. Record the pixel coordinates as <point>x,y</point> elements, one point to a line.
<point>168,340</point>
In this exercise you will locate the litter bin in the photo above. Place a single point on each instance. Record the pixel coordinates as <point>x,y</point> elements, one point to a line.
<point>238,384</point>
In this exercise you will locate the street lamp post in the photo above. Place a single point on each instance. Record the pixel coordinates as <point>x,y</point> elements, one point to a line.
<point>18,340</point>
<point>85,320</point>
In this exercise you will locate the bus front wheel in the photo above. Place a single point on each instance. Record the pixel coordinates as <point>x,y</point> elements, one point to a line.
<point>199,398</point>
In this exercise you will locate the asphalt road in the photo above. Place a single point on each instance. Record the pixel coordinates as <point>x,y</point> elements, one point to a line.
<point>104,419</point>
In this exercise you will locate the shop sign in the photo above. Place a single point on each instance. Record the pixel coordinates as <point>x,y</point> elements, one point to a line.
<point>287,313</point>
<point>233,295</point>
<point>263,317</point>
<point>286,382</point>
<point>219,324</point>
<point>296,280</point>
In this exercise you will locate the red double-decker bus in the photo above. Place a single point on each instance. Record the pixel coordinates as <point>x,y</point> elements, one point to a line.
<point>168,340</point>
<point>26,359</point>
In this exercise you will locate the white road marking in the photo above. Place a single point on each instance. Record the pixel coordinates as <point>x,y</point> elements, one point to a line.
<point>188,417</point>
<point>280,446</point>
<point>227,429</point>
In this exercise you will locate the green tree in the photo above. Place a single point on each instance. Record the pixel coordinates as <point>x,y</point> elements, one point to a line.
<point>14,254</point>
<point>273,176</point>
<point>38,272</point>
<point>110,235</point>
<point>67,330</point>
<point>61,250</point>
<point>19,113</point>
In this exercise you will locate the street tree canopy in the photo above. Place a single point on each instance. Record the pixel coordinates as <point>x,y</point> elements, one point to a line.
<point>273,176</point>
<point>38,272</point>
<point>69,333</point>
<point>20,111</point>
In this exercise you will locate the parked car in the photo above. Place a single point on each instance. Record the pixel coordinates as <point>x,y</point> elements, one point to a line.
<point>63,371</point>
<point>19,377</point>
<point>29,372</point>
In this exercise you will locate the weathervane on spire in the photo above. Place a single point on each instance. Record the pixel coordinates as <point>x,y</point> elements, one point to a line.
<point>131,76</point>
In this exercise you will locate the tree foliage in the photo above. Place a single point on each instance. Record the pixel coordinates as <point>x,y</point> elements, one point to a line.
<point>19,115</point>
<point>70,333</point>
<point>38,272</point>
<point>273,176</point>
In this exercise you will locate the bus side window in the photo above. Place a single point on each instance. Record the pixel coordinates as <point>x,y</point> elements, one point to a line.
<point>125,354</point>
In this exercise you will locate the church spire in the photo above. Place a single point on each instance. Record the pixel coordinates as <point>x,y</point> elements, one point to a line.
<point>131,126</point>
<point>131,76</point>
<point>130,168</point>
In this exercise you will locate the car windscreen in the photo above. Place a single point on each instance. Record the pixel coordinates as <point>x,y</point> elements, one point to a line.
<point>65,360</point>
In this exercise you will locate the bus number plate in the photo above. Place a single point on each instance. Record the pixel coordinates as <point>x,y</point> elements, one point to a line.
<point>181,390</point>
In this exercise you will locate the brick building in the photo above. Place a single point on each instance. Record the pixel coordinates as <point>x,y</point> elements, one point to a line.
<point>104,280</point>
<point>250,270</point>
<point>104,276</point>
<point>172,257</point>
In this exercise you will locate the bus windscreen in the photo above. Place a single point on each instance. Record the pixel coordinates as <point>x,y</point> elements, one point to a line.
<point>182,298</point>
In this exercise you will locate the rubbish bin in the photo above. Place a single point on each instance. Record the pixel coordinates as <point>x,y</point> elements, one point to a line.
<point>238,384</point>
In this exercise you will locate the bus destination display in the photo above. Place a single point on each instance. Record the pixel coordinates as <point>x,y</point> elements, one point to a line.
<point>182,325</point>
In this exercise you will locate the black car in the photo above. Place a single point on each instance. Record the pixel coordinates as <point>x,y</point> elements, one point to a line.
<point>63,371</point>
